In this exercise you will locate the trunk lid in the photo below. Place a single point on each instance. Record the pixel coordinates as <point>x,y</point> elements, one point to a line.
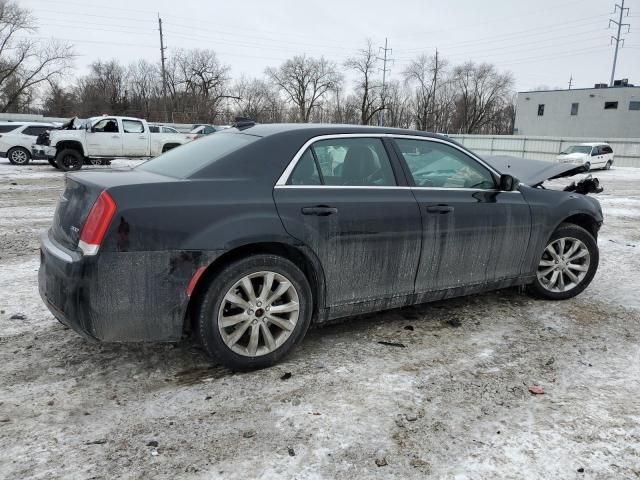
<point>80,193</point>
<point>533,172</point>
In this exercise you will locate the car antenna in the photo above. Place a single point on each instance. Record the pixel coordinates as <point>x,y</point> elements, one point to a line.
<point>243,122</point>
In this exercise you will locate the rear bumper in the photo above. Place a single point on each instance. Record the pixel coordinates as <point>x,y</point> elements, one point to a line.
<point>60,285</point>
<point>118,296</point>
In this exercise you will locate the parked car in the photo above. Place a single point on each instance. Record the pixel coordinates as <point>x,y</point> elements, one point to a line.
<point>16,139</point>
<point>199,131</point>
<point>162,129</point>
<point>100,139</point>
<point>591,155</point>
<point>247,236</point>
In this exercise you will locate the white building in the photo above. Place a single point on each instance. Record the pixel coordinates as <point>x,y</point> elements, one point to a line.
<point>600,113</point>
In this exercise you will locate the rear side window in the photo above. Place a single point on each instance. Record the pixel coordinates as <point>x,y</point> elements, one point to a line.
<point>154,128</point>
<point>35,131</point>
<point>306,171</point>
<point>193,156</point>
<point>606,149</point>
<point>132,126</point>
<point>9,128</point>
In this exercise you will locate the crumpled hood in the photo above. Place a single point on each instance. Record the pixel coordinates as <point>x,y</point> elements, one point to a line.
<point>533,172</point>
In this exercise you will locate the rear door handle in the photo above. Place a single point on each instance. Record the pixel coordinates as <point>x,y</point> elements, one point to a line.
<point>441,209</point>
<point>320,210</point>
<point>115,136</point>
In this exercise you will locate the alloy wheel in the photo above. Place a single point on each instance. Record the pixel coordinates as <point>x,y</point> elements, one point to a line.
<point>258,313</point>
<point>19,157</point>
<point>564,264</point>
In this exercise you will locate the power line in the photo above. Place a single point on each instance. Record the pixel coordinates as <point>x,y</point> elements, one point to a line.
<point>617,38</point>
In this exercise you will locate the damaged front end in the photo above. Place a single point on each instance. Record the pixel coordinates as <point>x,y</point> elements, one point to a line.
<point>535,172</point>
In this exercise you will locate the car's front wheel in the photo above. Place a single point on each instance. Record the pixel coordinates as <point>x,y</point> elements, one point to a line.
<point>254,312</point>
<point>567,264</point>
<point>18,156</point>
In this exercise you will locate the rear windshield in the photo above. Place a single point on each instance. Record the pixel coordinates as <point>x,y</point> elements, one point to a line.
<point>182,161</point>
<point>8,128</point>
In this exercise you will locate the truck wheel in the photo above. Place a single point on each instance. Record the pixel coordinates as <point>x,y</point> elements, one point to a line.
<point>69,159</point>
<point>18,156</point>
<point>53,163</point>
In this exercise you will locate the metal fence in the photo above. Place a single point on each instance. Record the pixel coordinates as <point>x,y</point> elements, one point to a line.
<point>626,150</point>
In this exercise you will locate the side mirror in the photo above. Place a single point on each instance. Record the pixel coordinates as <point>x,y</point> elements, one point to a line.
<point>508,183</point>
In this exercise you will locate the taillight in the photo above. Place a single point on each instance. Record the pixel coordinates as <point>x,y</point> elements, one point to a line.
<point>96,224</point>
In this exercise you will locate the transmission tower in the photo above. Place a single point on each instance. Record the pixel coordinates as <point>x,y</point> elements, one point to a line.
<point>618,38</point>
<point>384,59</point>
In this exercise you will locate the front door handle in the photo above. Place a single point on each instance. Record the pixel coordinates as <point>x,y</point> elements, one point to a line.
<point>441,209</point>
<point>320,210</point>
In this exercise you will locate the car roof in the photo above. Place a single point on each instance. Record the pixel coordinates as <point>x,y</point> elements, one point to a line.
<point>30,124</point>
<point>314,129</point>
<point>591,144</point>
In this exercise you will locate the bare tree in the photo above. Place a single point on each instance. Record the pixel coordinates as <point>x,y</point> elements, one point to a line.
<point>256,99</point>
<point>425,75</point>
<point>145,89</point>
<point>482,91</point>
<point>26,64</point>
<point>367,88</point>
<point>305,81</point>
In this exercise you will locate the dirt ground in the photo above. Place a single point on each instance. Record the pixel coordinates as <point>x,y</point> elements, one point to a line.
<point>451,402</point>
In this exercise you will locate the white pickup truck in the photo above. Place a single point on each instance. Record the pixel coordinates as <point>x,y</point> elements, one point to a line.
<point>100,139</point>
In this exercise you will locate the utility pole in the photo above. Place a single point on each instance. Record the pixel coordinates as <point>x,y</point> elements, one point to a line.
<point>617,38</point>
<point>433,95</point>
<point>384,82</point>
<point>164,72</point>
<point>570,81</point>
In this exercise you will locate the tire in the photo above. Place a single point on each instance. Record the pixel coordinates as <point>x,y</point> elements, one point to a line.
<point>583,267</point>
<point>588,166</point>
<point>53,163</point>
<point>69,159</point>
<point>218,341</point>
<point>608,165</point>
<point>19,156</point>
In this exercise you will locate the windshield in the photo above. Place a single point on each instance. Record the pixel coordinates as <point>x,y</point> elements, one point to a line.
<point>576,149</point>
<point>182,161</point>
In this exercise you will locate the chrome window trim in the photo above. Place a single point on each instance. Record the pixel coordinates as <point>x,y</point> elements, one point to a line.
<point>386,187</point>
<point>282,181</point>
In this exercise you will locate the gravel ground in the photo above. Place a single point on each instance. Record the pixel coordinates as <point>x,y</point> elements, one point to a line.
<point>451,402</point>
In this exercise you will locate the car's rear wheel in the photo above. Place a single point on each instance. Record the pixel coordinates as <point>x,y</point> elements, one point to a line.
<point>587,165</point>
<point>567,264</point>
<point>18,156</point>
<point>608,165</point>
<point>69,159</point>
<point>254,312</point>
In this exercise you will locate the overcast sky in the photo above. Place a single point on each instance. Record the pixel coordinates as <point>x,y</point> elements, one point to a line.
<point>542,42</point>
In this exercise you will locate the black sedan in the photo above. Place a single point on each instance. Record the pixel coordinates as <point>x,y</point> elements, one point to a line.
<point>248,236</point>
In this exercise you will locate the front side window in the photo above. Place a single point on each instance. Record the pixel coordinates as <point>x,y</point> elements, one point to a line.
<point>107,125</point>
<point>154,128</point>
<point>132,126</point>
<point>438,165</point>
